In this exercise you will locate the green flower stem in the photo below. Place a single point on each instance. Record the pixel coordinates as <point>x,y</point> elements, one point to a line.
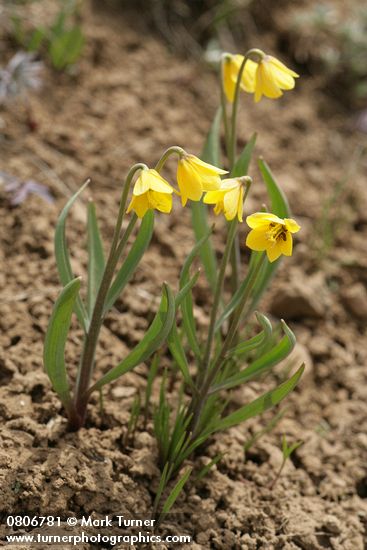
<point>231,145</point>
<point>227,344</point>
<point>218,363</point>
<point>87,363</point>
<point>258,55</point>
<point>225,116</point>
<point>175,150</point>
<point>218,292</point>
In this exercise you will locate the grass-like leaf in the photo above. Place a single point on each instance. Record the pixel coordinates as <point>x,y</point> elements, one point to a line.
<point>56,336</point>
<point>256,341</point>
<point>132,260</point>
<point>172,497</point>
<point>96,260</point>
<point>152,340</point>
<point>187,301</point>
<point>242,165</point>
<point>263,363</point>
<point>261,404</point>
<point>63,258</point>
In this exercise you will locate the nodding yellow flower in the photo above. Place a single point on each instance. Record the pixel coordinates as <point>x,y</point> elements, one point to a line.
<point>271,233</point>
<point>231,65</point>
<point>195,176</point>
<point>150,192</point>
<point>228,198</point>
<point>266,76</point>
<point>271,77</point>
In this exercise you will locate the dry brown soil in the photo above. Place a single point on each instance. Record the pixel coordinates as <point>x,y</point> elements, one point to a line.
<point>130,99</point>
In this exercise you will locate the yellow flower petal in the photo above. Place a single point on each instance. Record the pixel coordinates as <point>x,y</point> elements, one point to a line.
<point>286,246</point>
<point>150,179</point>
<point>142,183</point>
<point>212,197</point>
<point>291,225</point>
<point>204,168</point>
<point>160,201</point>
<point>265,84</point>
<point>282,67</point>
<point>260,219</point>
<point>139,204</point>
<point>157,183</point>
<point>248,80</point>
<point>256,240</point>
<point>232,201</point>
<point>229,80</point>
<point>189,182</point>
<point>273,252</point>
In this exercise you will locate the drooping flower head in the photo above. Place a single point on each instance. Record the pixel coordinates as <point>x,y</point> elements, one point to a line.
<point>231,65</point>
<point>195,176</point>
<point>271,234</point>
<point>150,192</point>
<point>264,76</point>
<point>228,198</point>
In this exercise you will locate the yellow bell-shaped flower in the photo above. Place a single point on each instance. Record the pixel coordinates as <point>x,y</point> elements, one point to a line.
<point>227,199</point>
<point>271,234</point>
<point>267,76</point>
<point>150,192</point>
<point>195,176</point>
<point>231,65</point>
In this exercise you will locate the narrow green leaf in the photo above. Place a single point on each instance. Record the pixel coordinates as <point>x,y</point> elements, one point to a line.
<point>279,203</point>
<point>242,165</point>
<point>152,340</point>
<point>152,373</point>
<point>178,353</point>
<point>66,48</point>
<point>63,258</point>
<point>206,469</point>
<point>96,260</point>
<point>256,341</point>
<point>37,37</point>
<point>188,319</point>
<point>132,260</point>
<point>211,149</point>
<point>261,404</point>
<point>55,341</point>
<point>267,429</point>
<point>262,364</point>
<point>199,211</point>
<point>181,295</point>
<point>172,497</point>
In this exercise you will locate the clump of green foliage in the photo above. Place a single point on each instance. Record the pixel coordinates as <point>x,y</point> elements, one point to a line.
<point>62,41</point>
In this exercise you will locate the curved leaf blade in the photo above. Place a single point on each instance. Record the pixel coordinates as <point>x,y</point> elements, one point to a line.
<point>256,341</point>
<point>56,336</point>
<point>172,497</point>
<point>261,404</point>
<point>132,260</point>
<point>63,258</point>
<point>263,363</point>
<point>242,165</point>
<point>152,340</point>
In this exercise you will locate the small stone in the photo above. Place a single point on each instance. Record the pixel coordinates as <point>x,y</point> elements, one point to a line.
<point>355,300</point>
<point>122,392</point>
<point>331,525</point>
<point>301,297</point>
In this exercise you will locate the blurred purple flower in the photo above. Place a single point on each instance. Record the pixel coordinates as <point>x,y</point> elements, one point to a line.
<point>21,74</point>
<point>19,190</point>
